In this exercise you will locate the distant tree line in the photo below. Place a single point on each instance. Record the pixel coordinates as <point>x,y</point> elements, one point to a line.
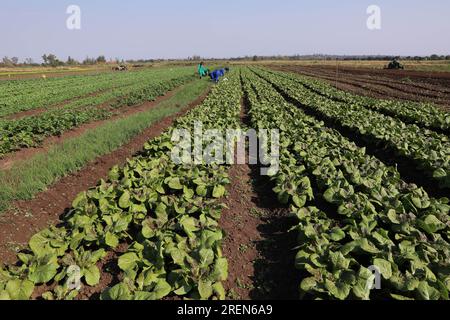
<point>51,60</point>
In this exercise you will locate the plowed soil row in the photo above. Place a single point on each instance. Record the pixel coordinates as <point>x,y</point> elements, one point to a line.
<point>258,244</point>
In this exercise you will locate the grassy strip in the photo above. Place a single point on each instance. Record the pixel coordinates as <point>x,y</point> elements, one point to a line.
<point>34,175</point>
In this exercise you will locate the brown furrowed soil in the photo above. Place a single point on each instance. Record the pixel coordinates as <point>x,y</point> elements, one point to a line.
<point>395,84</point>
<point>258,244</point>
<point>28,217</point>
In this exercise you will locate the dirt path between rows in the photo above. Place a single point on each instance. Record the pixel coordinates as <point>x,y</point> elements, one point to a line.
<point>258,244</point>
<point>10,159</point>
<point>29,217</point>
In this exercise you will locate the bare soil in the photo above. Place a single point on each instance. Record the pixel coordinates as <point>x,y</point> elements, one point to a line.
<point>29,217</point>
<point>258,246</point>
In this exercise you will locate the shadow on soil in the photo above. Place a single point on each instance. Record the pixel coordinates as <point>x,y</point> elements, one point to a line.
<point>275,276</point>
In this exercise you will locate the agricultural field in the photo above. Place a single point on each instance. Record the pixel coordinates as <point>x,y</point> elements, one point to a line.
<point>88,180</point>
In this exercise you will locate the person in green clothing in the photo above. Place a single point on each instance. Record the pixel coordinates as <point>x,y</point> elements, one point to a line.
<point>202,70</point>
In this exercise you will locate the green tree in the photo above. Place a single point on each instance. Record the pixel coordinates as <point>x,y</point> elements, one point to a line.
<point>101,59</point>
<point>7,62</point>
<point>51,60</point>
<point>71,61</point>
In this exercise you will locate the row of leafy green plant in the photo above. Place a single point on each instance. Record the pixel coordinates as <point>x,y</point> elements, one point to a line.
<point>23,95</point>
<point>428,150</point>
<point>354,212</point>
<point>160,217</point>
<point>422,114</point>
<point>31,131</point>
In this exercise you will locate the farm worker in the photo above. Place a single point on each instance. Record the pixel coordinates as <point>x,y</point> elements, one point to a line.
<point>202,71</point>
<point>215,75</point>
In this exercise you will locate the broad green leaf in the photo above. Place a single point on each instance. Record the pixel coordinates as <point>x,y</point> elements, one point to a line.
<point>308,284</point>
<point>202,190</point>
<point>111,240</point>
<point>38,244</point>
<point>80,201</point>
<point>205,289</point>
<point>431,224</point>
<point>124,201</point>
<point>338,260</point>
<point>218,191</point>
<point>161,290</point>
<point>206,257</point>
<point>118,292</point>
<point>189,225</point>
<point>175,184</point>
<point>19,289</point>
<point>427,292</point>
<point>219,290</point>
<point>337,234</point>
<point>44,271</point>
<point>384,266</point>
<point>299,201</point>
<point>128,261</point>
<point>392,215</point>
<point>221,269</point>
<point>338,290</point>
<point>92,275</point>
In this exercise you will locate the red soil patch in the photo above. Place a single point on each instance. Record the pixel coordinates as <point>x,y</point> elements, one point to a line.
<point>28,217</point>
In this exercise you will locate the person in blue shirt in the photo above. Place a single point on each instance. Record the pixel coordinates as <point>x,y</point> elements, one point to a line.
<point>216,74</point>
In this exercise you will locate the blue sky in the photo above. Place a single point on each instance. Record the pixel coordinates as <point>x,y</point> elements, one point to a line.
<point>176,29</point>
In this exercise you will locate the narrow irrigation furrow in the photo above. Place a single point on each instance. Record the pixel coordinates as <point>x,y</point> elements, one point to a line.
<point>258,244</point>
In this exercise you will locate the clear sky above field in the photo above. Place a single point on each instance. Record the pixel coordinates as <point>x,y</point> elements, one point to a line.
<point>181,28</point>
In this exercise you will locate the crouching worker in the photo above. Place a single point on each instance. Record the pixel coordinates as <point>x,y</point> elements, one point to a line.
<point>202,70</point>
<point>216,74</point>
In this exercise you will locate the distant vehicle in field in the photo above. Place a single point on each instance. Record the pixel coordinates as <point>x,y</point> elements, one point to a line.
<point>395,65</point>
<point>120,68</point>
